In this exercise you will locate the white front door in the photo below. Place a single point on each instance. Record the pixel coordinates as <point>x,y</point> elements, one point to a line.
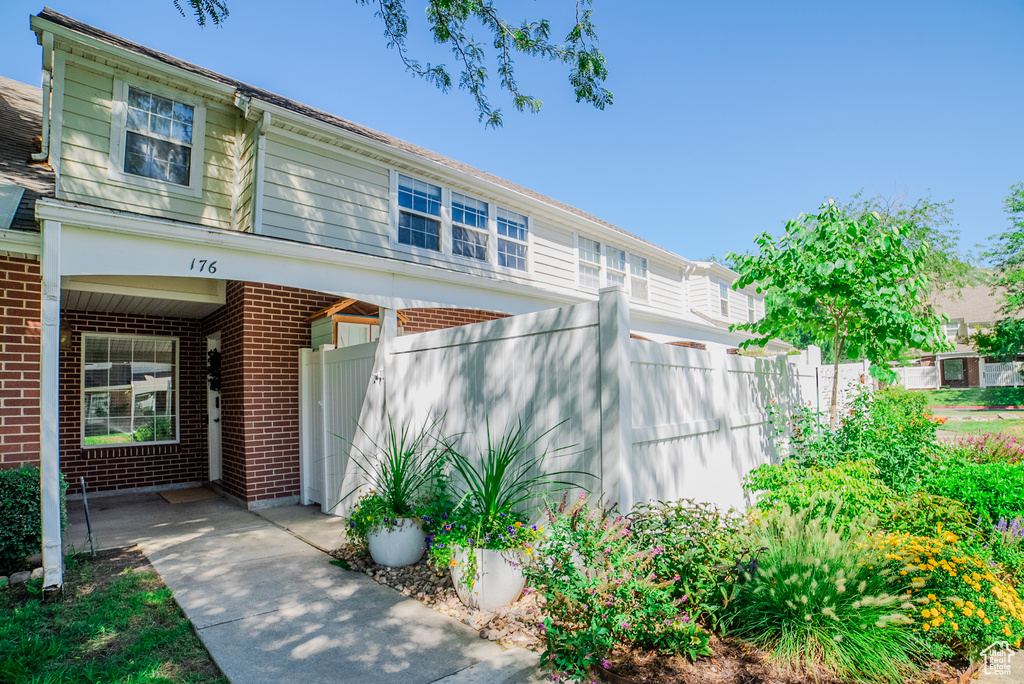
<point>213,414</point>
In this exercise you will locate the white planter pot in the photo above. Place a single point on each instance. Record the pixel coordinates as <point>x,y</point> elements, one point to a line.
<point>397,545</point>
<point>498,581</point>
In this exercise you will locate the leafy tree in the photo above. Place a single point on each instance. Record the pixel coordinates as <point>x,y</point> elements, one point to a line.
<point>1004,342</point>
<point>450,23</point>
<point>1007,252</point>
<point>859,280</point>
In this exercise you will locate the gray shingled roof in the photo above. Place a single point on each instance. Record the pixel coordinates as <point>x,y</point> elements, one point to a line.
<point>304,110</point>
<point>21,115</point>
<point>976,304</point>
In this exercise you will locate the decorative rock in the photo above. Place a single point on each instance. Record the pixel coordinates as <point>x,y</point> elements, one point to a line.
<point>36,574</point>
<point>19,577</point>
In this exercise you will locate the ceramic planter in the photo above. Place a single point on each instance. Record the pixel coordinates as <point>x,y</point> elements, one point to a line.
<point>397,545</point>
<point>498,581</point>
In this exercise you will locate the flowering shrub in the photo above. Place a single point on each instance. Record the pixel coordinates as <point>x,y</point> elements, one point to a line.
<point>1007,548</point>
<point>901,437</point>
<point>465,527</point>
<point>923,513</point>
<point>698,541</point>
<point>989,490</point>
<point>847,491</point>
<point>961,606</point>
<point>817,598</point>
<point>601,591</point>
<point>991,447</point>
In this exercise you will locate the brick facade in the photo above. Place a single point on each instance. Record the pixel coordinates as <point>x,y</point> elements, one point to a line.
<point>134,465</point>
<point>19,361</point>
<point>425,320</point>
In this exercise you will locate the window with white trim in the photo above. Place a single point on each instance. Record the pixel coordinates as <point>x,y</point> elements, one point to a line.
<point>723,299</point>
<point>639,281</point>
<point>157,138</point>
<point>615,260</point>
<point>129,389</point>
<point>469,227</point>
<point>952,330</point>
<point>751,313</point>
<point>419,219</point>
<point>590,263</point>
<point>513,233</point>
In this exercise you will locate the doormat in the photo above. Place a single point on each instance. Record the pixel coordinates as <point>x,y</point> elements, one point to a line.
<point>176,496</point>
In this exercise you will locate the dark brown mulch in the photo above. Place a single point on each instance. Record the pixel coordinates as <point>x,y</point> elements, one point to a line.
<point>108,565</point>
<point>733,662</point>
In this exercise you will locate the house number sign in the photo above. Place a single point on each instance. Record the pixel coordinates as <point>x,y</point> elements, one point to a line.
<point>203,266</point>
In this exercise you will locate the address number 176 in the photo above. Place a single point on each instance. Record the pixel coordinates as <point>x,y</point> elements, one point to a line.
<point>203,266</point>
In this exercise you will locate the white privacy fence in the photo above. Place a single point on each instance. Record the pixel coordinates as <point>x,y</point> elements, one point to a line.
<point>918,377</point>
<point>1003,374</point>
<point>647,421</point>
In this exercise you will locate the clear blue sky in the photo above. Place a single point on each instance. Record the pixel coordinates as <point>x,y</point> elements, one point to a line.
<point>729,117</point>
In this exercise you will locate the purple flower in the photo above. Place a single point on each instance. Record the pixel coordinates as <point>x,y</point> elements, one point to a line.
<point>605,664</point>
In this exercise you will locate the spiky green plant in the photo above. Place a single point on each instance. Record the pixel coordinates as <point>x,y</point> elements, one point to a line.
<point>818,597</point>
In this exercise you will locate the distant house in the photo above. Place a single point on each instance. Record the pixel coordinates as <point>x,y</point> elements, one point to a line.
<point>970,311</point>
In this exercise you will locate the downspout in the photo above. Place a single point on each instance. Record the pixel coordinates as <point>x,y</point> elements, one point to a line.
<point>47,43</point>
<point>257,181</point>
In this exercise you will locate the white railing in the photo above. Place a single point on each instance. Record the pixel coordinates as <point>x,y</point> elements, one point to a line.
<point>1003,374</point>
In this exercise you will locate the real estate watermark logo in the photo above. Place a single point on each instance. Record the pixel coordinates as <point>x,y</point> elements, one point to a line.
<point>997,658</point>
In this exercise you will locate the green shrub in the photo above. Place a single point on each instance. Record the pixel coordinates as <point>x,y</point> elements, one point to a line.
<point>698,541</point>
<point>961,606</point>
<point>21,516</point>
<point>818,598</point>
<point>1007,548</point>
<point>601,592</point>
<point>849,491</point>
<point>989,490</point>
<point>924,513</point>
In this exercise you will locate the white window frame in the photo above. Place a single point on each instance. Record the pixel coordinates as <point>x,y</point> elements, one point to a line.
<point>599,264</point>
<point>723,299</point>
<point>751,308</point>
<point>119,129</point>
<point>486,231</point>
<point>947,328</point>
<point>445,250</point>
<point>177,389</point>
<point>646,277</point>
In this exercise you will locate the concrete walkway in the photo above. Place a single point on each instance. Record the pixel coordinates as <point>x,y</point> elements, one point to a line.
<point>270,608</point>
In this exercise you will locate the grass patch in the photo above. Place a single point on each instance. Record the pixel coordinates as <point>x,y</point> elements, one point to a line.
<point>116,622</point>
<point>988,396</point>
<point>1014,428</point>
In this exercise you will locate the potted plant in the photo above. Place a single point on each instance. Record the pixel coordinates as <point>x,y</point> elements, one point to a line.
<point>486,538</point>
<point>404,478</point>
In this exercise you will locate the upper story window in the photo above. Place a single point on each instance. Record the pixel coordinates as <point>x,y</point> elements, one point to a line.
<point>419,221</point>
<point>615,259</point>
<point>513,231</point>
<point>952,330</point>
<point>129,389</point>
<point>439,219</point>
<point>639,283</point>
<point>590,263</point>
<point>469,227</point>
<point>157,138</point>
<point>751,313</point>
<point>723,299</point>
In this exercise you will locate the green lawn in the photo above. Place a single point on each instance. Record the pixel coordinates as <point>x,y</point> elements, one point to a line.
<point>1014,428</point>
<point>112,625</point>
<point>989,396</point>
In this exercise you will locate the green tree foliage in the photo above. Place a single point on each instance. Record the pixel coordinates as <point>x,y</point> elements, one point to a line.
<point>859,280</point>
<point>1007,252</point>
<point>452,24</point>
<point>1004,342</point>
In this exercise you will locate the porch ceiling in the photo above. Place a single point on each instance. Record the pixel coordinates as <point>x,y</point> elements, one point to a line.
<point>142,295</point>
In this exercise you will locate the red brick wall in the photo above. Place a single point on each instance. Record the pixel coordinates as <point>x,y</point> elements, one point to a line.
<point>132,466</point>
<point>262,329</point>
<point>424,320</point>
<point>20,301</point>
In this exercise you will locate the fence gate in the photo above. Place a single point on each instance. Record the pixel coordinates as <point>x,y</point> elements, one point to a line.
<point>332,387</point>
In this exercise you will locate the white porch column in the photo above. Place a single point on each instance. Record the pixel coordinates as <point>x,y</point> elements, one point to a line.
<point>49,437</point>
<point>981,372</point>
<point>616,398</point>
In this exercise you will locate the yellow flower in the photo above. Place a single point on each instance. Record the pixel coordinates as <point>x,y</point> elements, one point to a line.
<point>926,613</point>
<point>925,627</point>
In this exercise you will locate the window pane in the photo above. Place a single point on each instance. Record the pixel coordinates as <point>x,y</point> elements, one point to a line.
<point>590,250</point>
<point>469,243</point>
<point>616,258</point>
<point>138,119</point>
<point>183,113</point>
<point>418,231</point>
<point>616,278</point>
<point>161,106</point>
<point>512,225</point>
<point>590,276</point>
<point>511,254</point>
<point>723,306</point>
<point>419,196</point>
<point>638,266</point>
<point>723,291</point>
<point>96,349</point>
<point>160,159</point>
<point>139,99</point>
<point>639,286</point>
<point>469,211</point>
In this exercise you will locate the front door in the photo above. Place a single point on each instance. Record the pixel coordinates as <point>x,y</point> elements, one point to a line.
<point>213,405</point>
<point>955,373</point>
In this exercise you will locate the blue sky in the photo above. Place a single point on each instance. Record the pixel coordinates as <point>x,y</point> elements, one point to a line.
<point>729,117</point>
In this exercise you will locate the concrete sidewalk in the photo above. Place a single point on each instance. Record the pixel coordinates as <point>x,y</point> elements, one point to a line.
<point>270,608</point>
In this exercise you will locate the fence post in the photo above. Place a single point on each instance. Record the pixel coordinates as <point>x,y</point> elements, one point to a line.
<point>616,397</point>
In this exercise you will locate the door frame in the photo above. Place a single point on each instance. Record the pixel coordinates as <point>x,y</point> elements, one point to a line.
<point>214,436</point>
